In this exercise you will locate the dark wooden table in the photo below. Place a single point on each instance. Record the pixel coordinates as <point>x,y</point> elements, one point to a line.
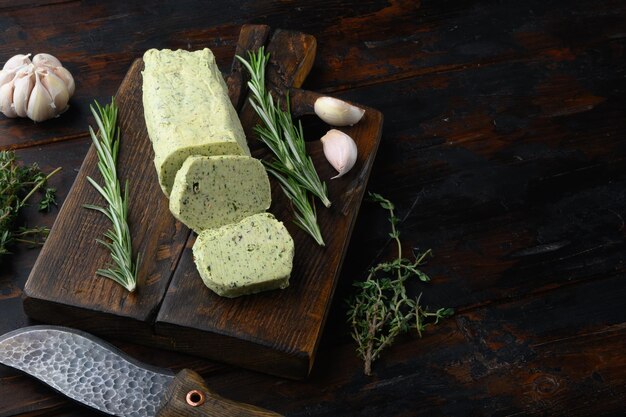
<point>503,148</point>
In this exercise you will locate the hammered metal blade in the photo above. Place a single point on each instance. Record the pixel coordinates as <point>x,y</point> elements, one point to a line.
<point>86,369</point>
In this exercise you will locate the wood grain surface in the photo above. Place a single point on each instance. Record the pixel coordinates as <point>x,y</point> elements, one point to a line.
<point>503,149</point>
<point>275,332</point>
<point>63,287</point>
<point>188,396</point>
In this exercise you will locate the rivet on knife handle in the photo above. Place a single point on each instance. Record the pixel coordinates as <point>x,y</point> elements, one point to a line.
<point>188,396</point>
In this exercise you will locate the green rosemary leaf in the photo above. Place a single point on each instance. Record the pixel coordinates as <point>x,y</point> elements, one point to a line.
<point>381,310</point>
<point>304,215</point>
<point>119,244</point>
<point>291,166</point>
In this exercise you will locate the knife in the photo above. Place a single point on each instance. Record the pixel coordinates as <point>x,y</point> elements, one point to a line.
<point>95,373</point>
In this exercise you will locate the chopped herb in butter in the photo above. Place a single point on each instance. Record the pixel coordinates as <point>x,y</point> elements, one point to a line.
<point>210,192</point>
<point>253,255</point>
<point>187,110</point>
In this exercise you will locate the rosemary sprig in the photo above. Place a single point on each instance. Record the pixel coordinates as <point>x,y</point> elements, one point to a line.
<point>292,166</point>
<point>107,142</point>
<point>381,309</point>
<point>304,215</point>
<point>18,184</point>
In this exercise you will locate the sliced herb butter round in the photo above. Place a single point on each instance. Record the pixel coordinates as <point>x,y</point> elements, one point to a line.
<point>253,255</point>
<point>187,110</point>
<point>212,191</point>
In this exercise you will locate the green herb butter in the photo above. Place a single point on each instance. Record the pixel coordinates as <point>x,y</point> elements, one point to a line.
<point>212,191</point>
<point>187,110</point>
<point>253,255</point>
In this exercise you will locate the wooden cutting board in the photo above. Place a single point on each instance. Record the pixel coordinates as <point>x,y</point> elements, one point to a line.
<point>276,332</point>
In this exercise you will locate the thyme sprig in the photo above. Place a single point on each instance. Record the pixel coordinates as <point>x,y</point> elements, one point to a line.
<point>107,142</point>
<point>292,166</point>
<point>18,183</point>
<point>48,200</point>
<point>381,309</point>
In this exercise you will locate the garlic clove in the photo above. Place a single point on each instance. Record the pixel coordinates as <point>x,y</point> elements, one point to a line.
<point>46,60</point>
<point>337,112</point>
<point>340,150</point>
<point>40,105</point>
<point>6,76</point>
<point>56,87</point>
<point>17,61</point>
<point>65,75</point>
<point>23,85</point>
<point>6,100</point>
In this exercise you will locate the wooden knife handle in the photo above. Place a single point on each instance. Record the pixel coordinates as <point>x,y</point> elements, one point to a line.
<point>188,396</point>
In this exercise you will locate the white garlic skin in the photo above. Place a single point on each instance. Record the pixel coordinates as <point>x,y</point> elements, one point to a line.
<point>57,89</point>
<point>6,76</point>
<point>65,75</point>
<point>40,104</point>
<point>46,60</point>
<point>39,89</point>
<point>340,150</point>
<point>337,112</point>
<point>6,100</point>
<point>23,85</point>
<point>15,62</point>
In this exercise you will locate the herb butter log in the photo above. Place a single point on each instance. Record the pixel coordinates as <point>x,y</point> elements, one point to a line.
<point>253,255</point>
<point>187,110</point>
<point>209,192</point>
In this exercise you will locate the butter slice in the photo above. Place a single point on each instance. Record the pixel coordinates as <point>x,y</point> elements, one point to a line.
<point>209,192</point>
<point>248,257</point>
<point>187,110</point>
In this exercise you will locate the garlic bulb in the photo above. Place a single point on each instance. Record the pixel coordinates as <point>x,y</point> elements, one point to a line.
<point>340,150</point>
<point>39,89</point>
<point>337,112</point>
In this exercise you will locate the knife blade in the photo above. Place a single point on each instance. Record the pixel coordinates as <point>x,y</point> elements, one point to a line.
<point>97,374</point>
